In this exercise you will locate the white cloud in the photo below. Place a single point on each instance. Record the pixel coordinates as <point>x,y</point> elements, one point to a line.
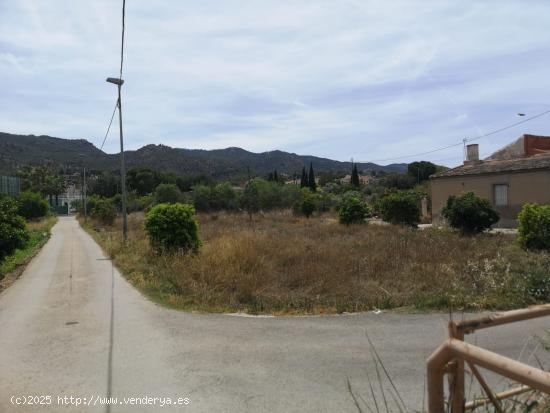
<point>339,79</point>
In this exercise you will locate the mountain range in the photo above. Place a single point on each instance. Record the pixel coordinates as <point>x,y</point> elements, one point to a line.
<point>20,150</point>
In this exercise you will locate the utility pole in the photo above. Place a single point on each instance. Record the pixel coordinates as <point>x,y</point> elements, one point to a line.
<point>122,169</point>
<point>119,82</point>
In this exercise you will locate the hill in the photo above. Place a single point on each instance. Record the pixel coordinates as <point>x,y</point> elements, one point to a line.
<point>19,150</point>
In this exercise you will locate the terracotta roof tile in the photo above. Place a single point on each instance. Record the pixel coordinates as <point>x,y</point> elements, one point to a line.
<point>494,166</point>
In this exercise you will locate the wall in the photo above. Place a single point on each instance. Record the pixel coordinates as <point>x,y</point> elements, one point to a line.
<point>523,187</point>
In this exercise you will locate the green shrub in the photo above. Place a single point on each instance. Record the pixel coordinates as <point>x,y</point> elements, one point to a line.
<point>306,205</point>
<point>250,198</point>
<point>223,197</point>
<point>534,227</point>
<point>167,194</point>
<point>401,208</point>
<point>13,229</point>
<point>32,205</point>
<point>172,226</point>
<point>325,201</point>
<point>104,210</point>
<point>145,202</point>
<point>469,213</point>
<point>353,210</point>
<point>202,196</point>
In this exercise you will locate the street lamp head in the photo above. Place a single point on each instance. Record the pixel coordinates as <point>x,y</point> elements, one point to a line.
<point>521,114</point>
<point>115,81</point>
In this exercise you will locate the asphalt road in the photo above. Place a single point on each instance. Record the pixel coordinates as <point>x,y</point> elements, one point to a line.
<point>72,326</point>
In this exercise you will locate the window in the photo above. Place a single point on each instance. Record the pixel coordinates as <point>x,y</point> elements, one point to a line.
<point>501,195</point>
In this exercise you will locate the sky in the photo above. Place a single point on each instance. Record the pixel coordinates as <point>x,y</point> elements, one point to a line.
<point>362,79</point>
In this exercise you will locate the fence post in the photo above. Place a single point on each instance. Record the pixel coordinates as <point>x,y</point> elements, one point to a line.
<point>456,373</point>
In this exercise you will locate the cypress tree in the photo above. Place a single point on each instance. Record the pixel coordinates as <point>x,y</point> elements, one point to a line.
<point>355,176</point>
<point>303,180</point>
<point>275,176</point>
<point>311,178</point>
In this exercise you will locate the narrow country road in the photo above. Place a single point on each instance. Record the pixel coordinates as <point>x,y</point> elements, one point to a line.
<point>72,326</point>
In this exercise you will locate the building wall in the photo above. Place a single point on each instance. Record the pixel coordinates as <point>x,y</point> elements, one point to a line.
<point>523,187</point>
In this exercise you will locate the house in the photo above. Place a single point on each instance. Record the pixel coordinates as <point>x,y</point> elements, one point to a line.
<point>363,179</point>
<point>513,176</point>
<point>72,194</point>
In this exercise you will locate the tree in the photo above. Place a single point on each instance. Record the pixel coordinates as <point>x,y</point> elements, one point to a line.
<point>54,186</point>
<point>469,213</point>
<point>400,208</point>
<point>32,205</point>
<point>311,179</point>
<point>422,170</point>
<point>355,176</point>
<point>33,178</point>
<point>353,210</point>
<point>398,181</point>
<point>250,199</point>
<point>172,227</point>
<point>143,180</point>
<point>304,179</point>
<point>167,193</point>
<point>223,196</point>
<point>13,229</point>
<point>202,195</point>
<point>105,185</point>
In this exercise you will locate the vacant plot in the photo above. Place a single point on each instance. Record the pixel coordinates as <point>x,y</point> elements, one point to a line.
<point>279,263</point>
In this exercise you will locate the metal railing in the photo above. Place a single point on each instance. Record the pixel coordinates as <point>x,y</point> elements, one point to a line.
<point>450,359</point>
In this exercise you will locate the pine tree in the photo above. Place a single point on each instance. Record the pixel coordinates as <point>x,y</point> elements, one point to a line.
<point>355,176</point>
<point>311,179</point>
<point>304,181</point>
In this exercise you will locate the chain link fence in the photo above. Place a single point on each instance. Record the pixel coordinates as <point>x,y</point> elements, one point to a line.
<point>10,185</point>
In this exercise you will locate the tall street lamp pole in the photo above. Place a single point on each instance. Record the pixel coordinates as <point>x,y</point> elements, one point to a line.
<point>119,82</point>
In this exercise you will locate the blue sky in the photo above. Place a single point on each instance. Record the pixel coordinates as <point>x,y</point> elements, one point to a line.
<point>339,79</point>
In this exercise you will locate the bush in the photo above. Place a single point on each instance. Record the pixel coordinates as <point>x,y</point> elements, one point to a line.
<point>306,205</point>
<point>172,226</point>
<point>469,213</point>
<point>32,205</point>
<point>202,195</point>
<point>400,208</point>
<point>223,197</point>
<point>353,210</point>
<point>145,202</point>
<point>13,230</point>
<point>104,210</point>
<point>167,194</point>
<point>534,227</point>
<point>250,199</point>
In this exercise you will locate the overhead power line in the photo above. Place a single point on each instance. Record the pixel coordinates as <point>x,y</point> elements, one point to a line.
<point>465,140</point>
<point>109,127</point>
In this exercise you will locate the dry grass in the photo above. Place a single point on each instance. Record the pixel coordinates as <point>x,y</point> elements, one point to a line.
<point>285,264</point>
